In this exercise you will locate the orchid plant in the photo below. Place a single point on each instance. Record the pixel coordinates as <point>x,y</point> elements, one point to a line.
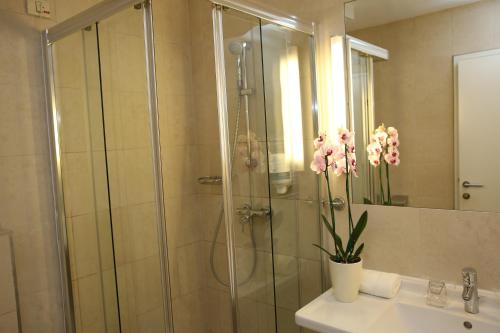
<point>384,149</point>
<point>339,157</point>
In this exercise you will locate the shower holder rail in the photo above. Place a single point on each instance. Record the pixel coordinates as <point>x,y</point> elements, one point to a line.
<point>210,180</point>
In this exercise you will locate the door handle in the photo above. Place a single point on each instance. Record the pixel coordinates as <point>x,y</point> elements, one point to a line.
<point>467,184</point>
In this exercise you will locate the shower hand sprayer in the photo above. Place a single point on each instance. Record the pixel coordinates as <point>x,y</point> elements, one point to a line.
<point>247,213</point>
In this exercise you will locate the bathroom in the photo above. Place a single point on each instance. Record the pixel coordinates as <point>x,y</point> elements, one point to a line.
<point>129,130</point>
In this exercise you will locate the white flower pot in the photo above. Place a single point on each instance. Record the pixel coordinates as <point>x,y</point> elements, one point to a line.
<point>346,280</point>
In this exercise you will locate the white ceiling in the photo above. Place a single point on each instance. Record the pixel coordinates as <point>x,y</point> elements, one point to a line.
<point>370,13</point>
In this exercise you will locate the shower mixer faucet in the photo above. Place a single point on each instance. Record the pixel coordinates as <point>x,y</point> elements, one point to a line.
<point>246,213</point>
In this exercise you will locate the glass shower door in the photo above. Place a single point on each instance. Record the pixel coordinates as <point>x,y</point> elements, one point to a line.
<point>107,175</point>
<point>290,127</point>
<point>84,179</point>
<point>130,165</point>
<point>271,126</point>
<point>249,177</point>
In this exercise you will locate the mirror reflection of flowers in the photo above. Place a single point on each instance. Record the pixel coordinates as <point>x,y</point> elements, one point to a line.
<point>339,156</point>
<point>384,149</point>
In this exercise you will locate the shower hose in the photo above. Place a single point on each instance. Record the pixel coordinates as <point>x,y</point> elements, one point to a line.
<point>221,215</point>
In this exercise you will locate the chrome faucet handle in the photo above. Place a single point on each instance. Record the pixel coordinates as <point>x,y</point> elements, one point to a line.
<point>246,213</point>
<point>469,275</point>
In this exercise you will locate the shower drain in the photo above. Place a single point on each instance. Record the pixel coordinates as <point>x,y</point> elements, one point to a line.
<point>467,325</point>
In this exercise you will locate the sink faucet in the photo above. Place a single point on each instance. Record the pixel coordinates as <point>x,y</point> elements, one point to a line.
<point>469,295</point>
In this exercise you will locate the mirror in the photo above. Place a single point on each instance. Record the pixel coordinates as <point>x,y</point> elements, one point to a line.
<point>429,69</point>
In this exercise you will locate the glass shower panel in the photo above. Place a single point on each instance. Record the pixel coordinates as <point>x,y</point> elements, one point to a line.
<point>252,229</point>
<point>84,178</point>
<point>130,171</point>
<point>290,127</point>
<point>107,176</point>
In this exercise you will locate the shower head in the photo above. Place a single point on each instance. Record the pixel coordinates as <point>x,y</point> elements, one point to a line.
<point>237,47</point>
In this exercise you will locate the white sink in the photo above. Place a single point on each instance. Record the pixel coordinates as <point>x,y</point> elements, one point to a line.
<point>406,313</point>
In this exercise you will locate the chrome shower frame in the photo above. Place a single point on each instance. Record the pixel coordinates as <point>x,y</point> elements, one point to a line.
<point>225,146</point>
<point>104,9</point>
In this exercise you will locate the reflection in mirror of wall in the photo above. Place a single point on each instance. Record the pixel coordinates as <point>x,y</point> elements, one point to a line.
<point>430,69</point>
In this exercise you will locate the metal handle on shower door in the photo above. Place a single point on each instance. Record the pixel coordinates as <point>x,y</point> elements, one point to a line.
<point>467,184</point>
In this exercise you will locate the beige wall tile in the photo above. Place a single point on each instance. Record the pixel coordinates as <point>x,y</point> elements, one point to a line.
<point>141,240</point>
<point>86,246</point>
<point>151,322</point>
<point>23,125</point>
<point>137,176</point>
<point>308,229</point>
<point>286,280</point>
<point>36,261</point>
<point>147,284</point>
<point>91,302</point>
<point>188,314</point>
<point>309,280</point>
<point>8,301</point>
<point>190,268</point>
<point>41,312</point>
<point>285,227</point>
<point>9,322</point>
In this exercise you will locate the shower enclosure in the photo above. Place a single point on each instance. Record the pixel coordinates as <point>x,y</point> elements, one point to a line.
<point>184,197</point>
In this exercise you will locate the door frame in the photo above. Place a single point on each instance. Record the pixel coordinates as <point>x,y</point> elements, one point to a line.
<point>103,10</point>
<point>456,60</point>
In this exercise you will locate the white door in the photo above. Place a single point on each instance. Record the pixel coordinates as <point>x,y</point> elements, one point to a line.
<point>477,98</point>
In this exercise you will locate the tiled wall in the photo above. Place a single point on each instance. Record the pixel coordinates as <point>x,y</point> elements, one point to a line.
<point>9,314</point>
<point>414,92</point>
<point>26,206</point>
<point>432,243</point>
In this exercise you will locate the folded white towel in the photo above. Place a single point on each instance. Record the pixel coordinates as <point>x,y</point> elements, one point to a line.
<point>380,284</point>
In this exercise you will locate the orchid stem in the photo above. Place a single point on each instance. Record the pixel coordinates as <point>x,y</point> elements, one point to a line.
<point>389,199</point>
<point>330,204</point>
<point>381,185</point>
<point>348,194</point>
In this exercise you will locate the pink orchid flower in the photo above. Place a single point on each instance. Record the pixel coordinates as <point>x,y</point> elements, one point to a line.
<point>319,141</point>
<point>318,163</point>
<point>374,160</point>
<point>392,160</point>
<point>393,133</point>
<point>345,137</point>
<point>393,142</point>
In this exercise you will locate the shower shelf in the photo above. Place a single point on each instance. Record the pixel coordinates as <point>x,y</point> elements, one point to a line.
<point>210,180</point>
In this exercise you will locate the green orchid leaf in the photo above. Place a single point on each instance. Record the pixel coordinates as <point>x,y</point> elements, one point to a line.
<point>340,247</point>
<point>353,260</point>
<point>356,233</point>
<point>328,225</point>
<point>359,250</point>
<point>326,251</point>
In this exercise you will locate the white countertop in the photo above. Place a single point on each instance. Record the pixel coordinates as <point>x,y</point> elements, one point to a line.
<point>326,315</point>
